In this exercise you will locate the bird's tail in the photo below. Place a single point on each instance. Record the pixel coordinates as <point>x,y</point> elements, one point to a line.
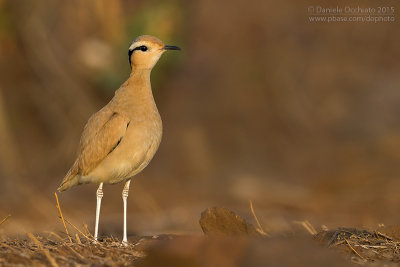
<point>68,182</point>
<point>71,179</point>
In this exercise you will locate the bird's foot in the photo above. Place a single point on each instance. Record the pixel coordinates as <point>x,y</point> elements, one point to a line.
<point>97,241</point>
<point>124,243</point>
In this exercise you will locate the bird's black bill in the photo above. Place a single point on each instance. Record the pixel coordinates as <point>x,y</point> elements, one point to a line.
<point>171,47</point>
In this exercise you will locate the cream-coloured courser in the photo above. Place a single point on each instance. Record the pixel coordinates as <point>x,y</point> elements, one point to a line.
<point>120,140</point>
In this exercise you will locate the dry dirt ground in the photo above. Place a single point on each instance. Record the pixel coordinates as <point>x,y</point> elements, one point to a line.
<point>228,240</point>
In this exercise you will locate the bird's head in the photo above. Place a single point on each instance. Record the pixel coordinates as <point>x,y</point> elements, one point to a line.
<point>145,51</point>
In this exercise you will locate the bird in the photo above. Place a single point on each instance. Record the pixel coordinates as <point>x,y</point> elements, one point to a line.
<point>120,139</point>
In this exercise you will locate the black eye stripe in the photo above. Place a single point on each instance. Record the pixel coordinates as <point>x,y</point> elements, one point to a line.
<point>130,54</point>
<point>142,48</point>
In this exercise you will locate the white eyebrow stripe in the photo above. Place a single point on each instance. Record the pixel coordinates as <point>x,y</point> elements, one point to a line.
<point>136,44</point>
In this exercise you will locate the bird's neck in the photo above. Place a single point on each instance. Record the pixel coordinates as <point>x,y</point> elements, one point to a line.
<point>140,79</point>
<point>136,93</point>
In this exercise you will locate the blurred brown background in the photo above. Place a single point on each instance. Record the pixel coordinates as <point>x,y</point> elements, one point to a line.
<point>302,118</point>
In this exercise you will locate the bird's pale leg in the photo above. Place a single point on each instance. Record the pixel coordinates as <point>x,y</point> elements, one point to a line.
<point>125,192</point>
<point>99,195</point>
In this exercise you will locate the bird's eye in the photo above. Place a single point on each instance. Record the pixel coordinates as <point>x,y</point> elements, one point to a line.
<point>143,48</point>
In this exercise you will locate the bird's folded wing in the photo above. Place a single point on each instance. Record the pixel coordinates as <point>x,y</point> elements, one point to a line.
<point>94,125</point>
<point>97,144</point>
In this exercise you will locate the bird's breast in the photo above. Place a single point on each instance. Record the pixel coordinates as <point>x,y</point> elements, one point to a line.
<point>143,138</point>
